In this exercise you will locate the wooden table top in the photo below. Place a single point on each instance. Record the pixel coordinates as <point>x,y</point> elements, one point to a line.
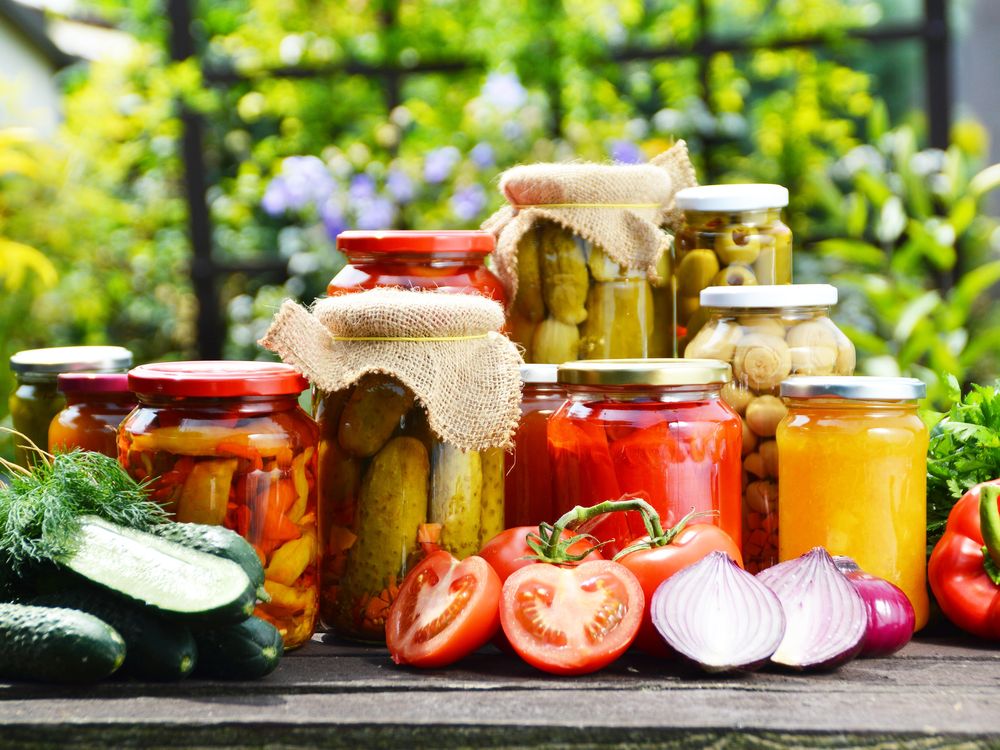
<point>934,693</point>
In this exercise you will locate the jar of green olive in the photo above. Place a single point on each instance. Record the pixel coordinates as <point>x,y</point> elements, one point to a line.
<point>732,235</point>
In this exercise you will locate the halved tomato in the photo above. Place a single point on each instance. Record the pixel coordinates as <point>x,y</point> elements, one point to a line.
<point>445,609</point>
<point>571,620</point>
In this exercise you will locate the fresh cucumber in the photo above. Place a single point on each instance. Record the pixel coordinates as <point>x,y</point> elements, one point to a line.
<point>174,580</point>
<point>42,644</point>
<point>157,649</point>
<point>218,541</point>
<point>246,651</point>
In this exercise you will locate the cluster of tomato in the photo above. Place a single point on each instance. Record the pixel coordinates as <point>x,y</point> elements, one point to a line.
<point>569,618</point>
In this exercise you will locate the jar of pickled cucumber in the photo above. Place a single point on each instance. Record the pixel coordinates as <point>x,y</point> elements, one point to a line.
<point>226,443</point>
<point>419,397</point>
<point>37,399</point>
<point>529,493</point>
<point>657,429</point>
<point>732,235</point>
<point>768,333</point>
<point>443,260</point>
<point>96,403</point>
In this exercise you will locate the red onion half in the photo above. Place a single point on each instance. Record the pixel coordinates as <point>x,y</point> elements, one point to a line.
<point>890,614</point>
<point>827,618</point>
<point>717,615</point>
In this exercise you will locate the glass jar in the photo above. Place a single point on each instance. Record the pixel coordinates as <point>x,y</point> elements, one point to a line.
<point>390,492</point>
<point>447,261</point>
<point>658,429</point>
<point>225,443</point>
<point>768,333</point>
<point>575,302</point>
<point>528,492</point>
<point>95,405</point>
<point>853,473</point>
<point>732,235</point>
<point>36,399</point>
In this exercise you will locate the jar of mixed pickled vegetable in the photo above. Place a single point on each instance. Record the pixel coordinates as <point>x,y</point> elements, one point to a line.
<point>225,443</point>
<point>732,235</point>
<point>768,333</point>
<point>392,491</point>
<point>447,261</point>
<point>96,403</point>
<point>574,301</point>
<point>853,474</point>
<point>657,429</point>
<point>529,495</point>
<point>37,399</point>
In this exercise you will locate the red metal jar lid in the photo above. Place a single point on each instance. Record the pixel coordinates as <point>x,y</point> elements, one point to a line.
<point>91,382</point>
<point>216,379</point>
<point>403,241</point>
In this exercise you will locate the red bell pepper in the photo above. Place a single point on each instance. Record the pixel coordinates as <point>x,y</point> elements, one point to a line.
<point>964,569</point>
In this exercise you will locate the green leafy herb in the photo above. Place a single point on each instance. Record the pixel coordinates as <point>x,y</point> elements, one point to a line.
<point>964,451</point>
<point>40,508</point>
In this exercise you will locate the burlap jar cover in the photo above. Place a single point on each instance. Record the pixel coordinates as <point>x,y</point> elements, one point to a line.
<point>446,348</point>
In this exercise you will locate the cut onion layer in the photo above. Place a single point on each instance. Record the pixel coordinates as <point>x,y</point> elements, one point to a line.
<point>890,614</point>
<point>826,616</point>
<point>718,615</point>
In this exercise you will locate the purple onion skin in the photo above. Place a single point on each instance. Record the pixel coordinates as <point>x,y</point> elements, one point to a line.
<point>890,615</point>
<point>827,618</point>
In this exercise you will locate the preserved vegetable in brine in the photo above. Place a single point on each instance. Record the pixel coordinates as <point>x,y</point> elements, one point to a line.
<point>95,405</point>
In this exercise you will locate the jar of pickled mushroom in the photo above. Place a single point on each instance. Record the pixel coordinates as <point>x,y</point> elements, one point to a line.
<point>529,494</point>
<point>419,397</point>
<point>96,403</point>
<point>768,333</point>
<point>657,429</point>
<point>853,474</point>
<point>584,260</point>
<point>732,235</point>
<point>444,260</point>
<point>37,399</point>
<point>225,443</point>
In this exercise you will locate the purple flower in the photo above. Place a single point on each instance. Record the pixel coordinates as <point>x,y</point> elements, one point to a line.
<point>504,91</point>
<point>469,202</point>
<point>362,187</point>
<point>275,200</point>
<point>302,181</point>
<point>376,213</point>
<point>439,163</point>
<point>482,155</point>
<point>332,215</point>
<point>400,186</point>
<point>627,152</point>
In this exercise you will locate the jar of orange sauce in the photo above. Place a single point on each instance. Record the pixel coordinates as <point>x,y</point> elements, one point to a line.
<point>96,403</point>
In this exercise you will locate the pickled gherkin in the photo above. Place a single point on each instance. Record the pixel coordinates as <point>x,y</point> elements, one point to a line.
<point>528,301</point>
<point>564,275</point>
<point>372,414</point>
<point>621,321</point>
<point>456,495</point>
<point>491,518</point>
<point>555,342</point>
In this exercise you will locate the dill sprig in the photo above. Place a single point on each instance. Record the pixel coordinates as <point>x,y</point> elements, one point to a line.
<point>40,508</point>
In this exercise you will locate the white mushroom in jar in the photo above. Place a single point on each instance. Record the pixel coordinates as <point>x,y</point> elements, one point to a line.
<point>764,414</point>
<point>813,346</point>
<point>762,361</point>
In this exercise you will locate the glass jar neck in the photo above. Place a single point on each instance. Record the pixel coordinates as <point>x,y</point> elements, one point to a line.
<point>756,217</point>
<point>123,400</point>
<point>408,257</point>
<point>543,390</point>
<point>45,380</point>
<point>230,405</point>
<point>848,407</point>
<point>625,393</point>
<point>771,312</point>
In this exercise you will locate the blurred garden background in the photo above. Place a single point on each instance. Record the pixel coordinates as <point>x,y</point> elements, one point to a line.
<point>170,170</point>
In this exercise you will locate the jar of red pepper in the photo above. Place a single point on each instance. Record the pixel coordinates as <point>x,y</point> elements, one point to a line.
<point>225,443</point>
<point>446,261</point>
<point>96,403</point>
<point>656,429</point>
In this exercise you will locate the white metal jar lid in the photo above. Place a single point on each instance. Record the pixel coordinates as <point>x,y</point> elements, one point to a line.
<point>854,387</point>
<point>769,295</point>
<point>539,373</point>
<point>747,197</point>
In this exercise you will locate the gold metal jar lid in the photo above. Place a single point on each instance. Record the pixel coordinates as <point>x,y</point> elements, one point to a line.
<point>655,372</point>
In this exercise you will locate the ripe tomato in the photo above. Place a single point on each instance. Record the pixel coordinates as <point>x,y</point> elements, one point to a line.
<point>445,609</point>
<point>508,551</point>
<point>571,620</point>
<point>655,565</point>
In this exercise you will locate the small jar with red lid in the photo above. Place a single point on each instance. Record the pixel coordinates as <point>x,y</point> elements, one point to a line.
<point>446,261</point>
<point>226,443</point>
<point>96,403</point>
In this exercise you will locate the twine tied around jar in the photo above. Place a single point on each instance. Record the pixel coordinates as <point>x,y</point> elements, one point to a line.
<point>619,207</point>
<point>446,348</point>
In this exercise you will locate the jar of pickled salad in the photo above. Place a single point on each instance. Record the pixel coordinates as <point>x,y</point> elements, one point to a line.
<point>96,403</point>
<point>768,333</point>
<point>444,260</point>
<point>529,496</point>
<point>657,429</point>
<point>225,443</point>
<point>37,399</point>
<point>853,476</point>
<point>732,235</point>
